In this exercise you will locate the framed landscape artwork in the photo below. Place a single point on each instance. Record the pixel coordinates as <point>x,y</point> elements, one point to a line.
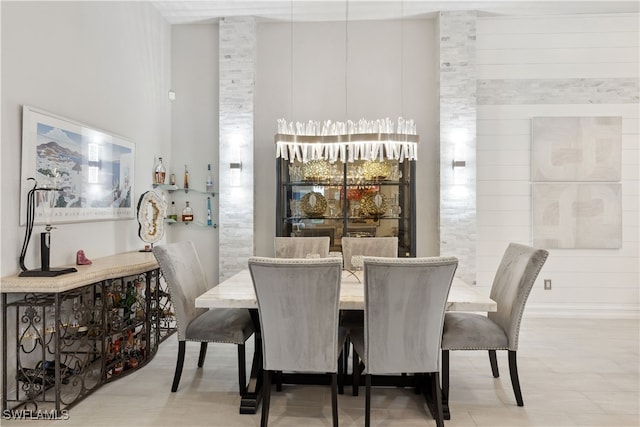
<point>93,170</point>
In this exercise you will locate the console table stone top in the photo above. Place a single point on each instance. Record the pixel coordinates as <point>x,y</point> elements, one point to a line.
<point>110,267</point>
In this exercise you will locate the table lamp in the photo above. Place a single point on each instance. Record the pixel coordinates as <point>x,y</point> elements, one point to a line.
<point>46,199</point>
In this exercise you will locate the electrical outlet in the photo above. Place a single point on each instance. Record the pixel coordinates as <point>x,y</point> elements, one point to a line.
<point>547,284</point>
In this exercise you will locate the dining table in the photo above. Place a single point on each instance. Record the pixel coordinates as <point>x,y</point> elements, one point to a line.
<point>237,292</point>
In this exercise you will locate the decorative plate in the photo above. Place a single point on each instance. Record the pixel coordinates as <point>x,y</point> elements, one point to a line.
<point>313,204</point>
<point>373,204</point>
<point>373,170</point>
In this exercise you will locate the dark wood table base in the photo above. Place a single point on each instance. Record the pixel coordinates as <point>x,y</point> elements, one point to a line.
<point>251,400</point>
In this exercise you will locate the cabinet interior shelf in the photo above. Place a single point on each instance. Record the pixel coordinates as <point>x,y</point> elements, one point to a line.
<point>294,220</point>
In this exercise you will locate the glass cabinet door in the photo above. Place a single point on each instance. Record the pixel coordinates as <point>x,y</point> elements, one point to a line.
<point>357,199</point>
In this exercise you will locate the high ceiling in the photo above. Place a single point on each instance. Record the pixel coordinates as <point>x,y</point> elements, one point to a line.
<point>205,11</point>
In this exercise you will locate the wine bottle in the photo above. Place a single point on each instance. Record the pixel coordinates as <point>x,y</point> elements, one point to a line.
<point>209,182</point>
<point>109,350</point>
<point>130,301</point>
<point>160,172</point>
<point>117,367</point>
<point>209,223</point>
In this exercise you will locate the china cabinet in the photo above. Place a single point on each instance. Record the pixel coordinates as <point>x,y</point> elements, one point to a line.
<point>362,198</point>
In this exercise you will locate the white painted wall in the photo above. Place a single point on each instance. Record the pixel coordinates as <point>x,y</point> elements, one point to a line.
<point>522,53</point>
<point>382,80</point>
<point>106,64</point>
<point>194,79</point>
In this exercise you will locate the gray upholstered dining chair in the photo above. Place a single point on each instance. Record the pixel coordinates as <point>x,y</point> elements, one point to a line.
<point>405,300</point>
<point>182,271</point>
<point>302,247</point>
<point>498,330</point>
<point>298,303</point>
<point>368,246</point>
<point>362,246</point>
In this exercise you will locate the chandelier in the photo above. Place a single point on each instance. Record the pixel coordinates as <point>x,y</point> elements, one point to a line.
<point>380,139</point>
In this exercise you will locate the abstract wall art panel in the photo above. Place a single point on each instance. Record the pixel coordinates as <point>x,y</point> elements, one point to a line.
<point>569,215</point>
<point>576,148</point>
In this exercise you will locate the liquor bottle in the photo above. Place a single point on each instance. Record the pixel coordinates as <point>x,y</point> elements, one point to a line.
<point>209,182</point>
<point>186,178</point>
<point>172,213</point>
<point>209,223</point>
<point>160,172</point>
<point>187,213</point>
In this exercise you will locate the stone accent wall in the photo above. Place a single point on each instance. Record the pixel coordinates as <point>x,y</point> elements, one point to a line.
<point>237,82</point>
<point>457,73</point>
<point>558,91</point>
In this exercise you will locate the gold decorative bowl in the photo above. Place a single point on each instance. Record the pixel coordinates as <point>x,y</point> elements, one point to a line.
<point>373,205</point>
<point>313,204</point>
<point>316,170</point>
<point>374,170</point>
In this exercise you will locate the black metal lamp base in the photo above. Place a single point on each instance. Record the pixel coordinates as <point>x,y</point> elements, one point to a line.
<point>53,272</point>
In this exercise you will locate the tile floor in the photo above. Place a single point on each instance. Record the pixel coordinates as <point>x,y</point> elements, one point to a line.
<point>572,372</point>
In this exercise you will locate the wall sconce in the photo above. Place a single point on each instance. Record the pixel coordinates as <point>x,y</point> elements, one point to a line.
<point>459,172</point>
<point>235,174</point>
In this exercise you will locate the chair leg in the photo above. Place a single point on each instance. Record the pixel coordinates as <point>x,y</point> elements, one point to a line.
<point>494,363</point>
<point>266,398</point>
<point>416,381</point>
<point>356,373</point>
<point>341,373</point>
<point>334,399</point>
<point>345,352</point>
<point>242,370</point>
<point>367,400</point>
<point>278,380</point>
<point>437,395</point>
<point>515,382</point>
<point>445,382</point>
<point>203,353</point>
<point>179,365</point>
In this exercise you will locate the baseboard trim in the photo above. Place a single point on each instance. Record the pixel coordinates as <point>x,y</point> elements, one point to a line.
<point>583,311</point>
